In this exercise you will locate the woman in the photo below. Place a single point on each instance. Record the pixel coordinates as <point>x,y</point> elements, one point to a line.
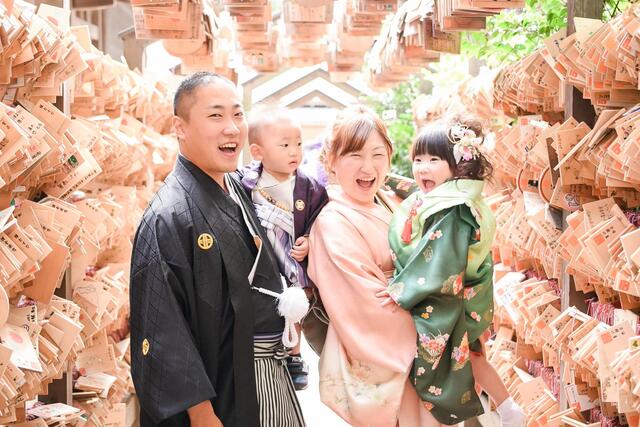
<point>369,349</point>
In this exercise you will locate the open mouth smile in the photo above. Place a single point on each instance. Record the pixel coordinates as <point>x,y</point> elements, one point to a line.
<point>365,183</point>
<point>428,184</point>
<point>229,148</point>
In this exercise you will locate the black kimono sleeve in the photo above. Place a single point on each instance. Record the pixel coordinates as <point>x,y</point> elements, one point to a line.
<point>167,369</point>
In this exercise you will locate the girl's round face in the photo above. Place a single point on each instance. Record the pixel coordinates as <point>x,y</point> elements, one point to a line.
<point>361,173</point>
<point>430,171</point>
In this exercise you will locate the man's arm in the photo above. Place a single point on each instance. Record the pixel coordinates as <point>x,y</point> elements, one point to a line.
<point>166,366</point>
<point>202,415</point>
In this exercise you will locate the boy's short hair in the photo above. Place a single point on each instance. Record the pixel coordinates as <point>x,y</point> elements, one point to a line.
<point>260,118</point>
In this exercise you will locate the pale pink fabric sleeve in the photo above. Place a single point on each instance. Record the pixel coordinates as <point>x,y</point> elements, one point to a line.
<point>345,270</point>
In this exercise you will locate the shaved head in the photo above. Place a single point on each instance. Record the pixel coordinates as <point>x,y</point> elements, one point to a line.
<point>184,97</point>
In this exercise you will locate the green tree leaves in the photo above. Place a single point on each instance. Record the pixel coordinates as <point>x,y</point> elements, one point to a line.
<point>514,34</point>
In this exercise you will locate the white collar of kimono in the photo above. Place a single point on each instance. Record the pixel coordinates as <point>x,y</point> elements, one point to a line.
<point>337,194</point>
<point>234,196</point>
<point>281,191</point>
<point>467,188</point>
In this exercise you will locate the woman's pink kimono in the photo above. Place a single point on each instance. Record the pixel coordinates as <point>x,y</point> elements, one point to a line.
<point>369,349</point>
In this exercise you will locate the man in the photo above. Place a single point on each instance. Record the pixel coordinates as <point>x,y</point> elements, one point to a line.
<point>205,345</point>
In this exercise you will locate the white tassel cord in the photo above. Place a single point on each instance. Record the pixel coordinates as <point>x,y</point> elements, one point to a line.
<point>293,305</point>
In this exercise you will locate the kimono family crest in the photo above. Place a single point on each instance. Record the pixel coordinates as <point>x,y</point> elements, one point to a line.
<point>205,241</point>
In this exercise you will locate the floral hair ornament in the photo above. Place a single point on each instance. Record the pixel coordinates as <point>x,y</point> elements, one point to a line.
<point>466,144</point>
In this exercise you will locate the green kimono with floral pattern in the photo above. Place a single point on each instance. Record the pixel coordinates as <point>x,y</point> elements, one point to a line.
<point>441,247</point>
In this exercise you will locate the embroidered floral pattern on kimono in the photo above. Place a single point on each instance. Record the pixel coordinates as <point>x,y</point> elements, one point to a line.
<point>469,293</point>
<point>436,391</point>
<point>432,347</point>
<point>453,285</point>
<point>427,312</point>
<point>428,254</point>
<point>458,285</point>
<point>435,235</point>
<point>358,382</point>
<point>461,354</point>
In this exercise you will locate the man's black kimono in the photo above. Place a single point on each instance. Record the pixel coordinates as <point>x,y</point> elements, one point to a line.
<point>193,314</point>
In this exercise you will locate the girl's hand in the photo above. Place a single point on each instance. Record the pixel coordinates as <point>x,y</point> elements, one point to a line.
<point>386,299</point>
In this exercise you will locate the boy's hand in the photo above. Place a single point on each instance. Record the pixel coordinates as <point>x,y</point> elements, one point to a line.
<point>300,248</point>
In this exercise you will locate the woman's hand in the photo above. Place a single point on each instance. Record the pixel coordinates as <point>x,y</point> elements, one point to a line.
<point>386,299</point>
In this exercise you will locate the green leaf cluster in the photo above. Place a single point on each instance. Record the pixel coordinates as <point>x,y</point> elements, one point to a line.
<point>514,34</point>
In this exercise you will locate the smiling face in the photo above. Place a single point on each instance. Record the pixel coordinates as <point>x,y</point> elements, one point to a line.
<point>213,130</point>
<point>432,157</point>
<point>361,173</point>
<point>279,148</point>
<point>430,171</point>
